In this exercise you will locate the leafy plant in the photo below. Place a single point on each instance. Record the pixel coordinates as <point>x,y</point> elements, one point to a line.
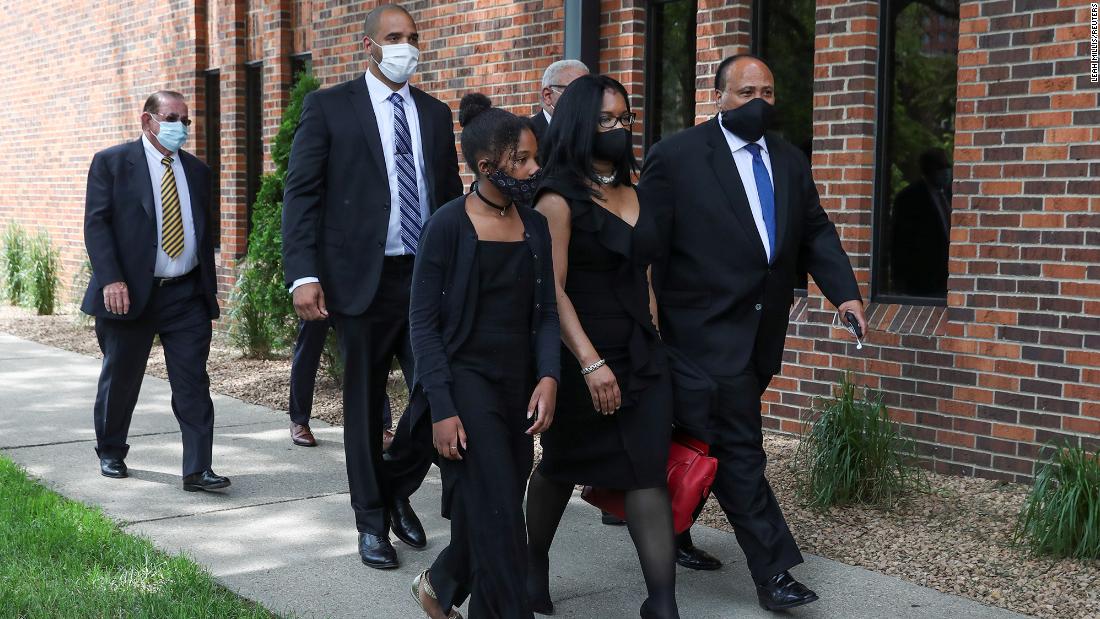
<point>852,453</point>
<point>1062,514</point>
<point>263,319</point>
<point>15,263</point>
<point>41,278</point>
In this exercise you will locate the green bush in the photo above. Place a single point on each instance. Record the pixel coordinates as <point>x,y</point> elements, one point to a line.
<point>333,362</point>
<point>1062,514</point>
<point>852,453</point>
<point>263,319</point>
<point>15,263</point>
<point>41,278</point>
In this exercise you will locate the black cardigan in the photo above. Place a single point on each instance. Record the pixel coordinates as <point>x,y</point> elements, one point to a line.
<point>444,303</point>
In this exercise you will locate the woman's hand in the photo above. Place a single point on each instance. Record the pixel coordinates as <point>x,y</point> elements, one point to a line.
<point>541,408</point>
<point>447,436</point>
<point>604,388</point>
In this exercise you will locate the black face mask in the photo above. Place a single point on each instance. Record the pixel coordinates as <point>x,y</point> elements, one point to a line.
<point>610,145</point>
<point>519,191</point>
<point>750,121</point>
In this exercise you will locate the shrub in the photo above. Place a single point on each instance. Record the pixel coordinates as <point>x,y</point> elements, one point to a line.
<point>41,278</point>
<point>333,362</point>
<point>15,263</point>
<point>1061,516</point>
<point>852,453</point>
<point>263,319</point>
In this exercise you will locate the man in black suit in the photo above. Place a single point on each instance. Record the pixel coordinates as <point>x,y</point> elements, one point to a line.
<point>738,211</point>
<point>371,159</point>
<point>146,230</point>
<point>554,81</point>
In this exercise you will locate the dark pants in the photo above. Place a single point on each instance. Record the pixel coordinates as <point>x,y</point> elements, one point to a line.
<point>303,371</point>
<point>178,314</point>
<point>369,342</point>
<point>740,485</point>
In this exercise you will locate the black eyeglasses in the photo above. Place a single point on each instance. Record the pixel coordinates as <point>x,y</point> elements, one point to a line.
<point>626,120</point>
<point>171,118</point>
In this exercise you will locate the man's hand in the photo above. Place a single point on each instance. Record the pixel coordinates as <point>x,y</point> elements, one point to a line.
<point>447,436</point>
<point>541,408</point>
<point>116,296</point>
<point>856,307</point>
<point>309,302</point>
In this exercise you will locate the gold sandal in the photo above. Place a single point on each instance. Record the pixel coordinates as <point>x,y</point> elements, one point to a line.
<point>423,578</point>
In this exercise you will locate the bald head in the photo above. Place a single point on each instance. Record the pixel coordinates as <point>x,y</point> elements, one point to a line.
<point>159,99</point>
<point>372,25</point>
<point>742,78</point>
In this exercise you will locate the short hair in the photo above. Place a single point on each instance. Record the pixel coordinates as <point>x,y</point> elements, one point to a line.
<point>487,131</point>
<point>720,75</point>
<point>153,103</point>
<point>370,23</point>
<point>550,75</point>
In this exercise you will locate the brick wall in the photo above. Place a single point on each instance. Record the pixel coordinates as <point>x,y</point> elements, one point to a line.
<point>1010,364</point>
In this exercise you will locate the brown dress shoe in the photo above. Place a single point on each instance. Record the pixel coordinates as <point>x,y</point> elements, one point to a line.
<point>301,436</point>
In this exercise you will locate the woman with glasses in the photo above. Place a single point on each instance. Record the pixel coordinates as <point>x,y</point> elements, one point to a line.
<point>613,425</point>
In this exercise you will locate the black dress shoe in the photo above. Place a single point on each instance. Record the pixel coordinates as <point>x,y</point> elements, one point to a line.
<point>693,558</point>
<point>112,467</point>
<point>782,591</point>
<point>611,519</point>
<point>206,480</point>
<point>406,526</point>
<point>376,551</point>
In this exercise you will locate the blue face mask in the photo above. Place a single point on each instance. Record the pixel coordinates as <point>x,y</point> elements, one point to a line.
<point>172,135</point>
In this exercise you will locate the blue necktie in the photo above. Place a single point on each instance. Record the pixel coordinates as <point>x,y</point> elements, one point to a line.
<point>767,195</point>
<point>411,222</point>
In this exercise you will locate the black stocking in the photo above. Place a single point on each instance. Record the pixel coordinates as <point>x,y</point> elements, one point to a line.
<point>649,519</point>
<point>546,501</point>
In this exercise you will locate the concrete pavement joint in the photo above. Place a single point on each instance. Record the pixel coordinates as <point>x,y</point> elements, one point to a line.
<point>92,440</point>
<point>128,523</point>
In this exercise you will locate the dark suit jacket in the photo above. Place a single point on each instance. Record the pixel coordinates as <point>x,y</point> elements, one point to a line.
<point>719,300</point>
<point>444,304</point>
<point>539,125</point>
<point>336,204</point>
<point>120,228</point>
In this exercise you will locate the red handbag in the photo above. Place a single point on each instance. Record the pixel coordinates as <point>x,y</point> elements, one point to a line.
<point>690,474</point>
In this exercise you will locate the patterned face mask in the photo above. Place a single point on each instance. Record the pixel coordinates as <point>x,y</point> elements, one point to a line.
<point>519,191</point>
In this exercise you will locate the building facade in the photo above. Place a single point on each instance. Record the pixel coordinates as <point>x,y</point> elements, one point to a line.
<point>984,290</point>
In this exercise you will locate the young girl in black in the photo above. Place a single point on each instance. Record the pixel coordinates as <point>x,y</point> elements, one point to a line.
<point>484,328</point>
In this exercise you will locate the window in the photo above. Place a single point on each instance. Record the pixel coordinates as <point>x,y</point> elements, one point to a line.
<point>917,82</point>
<point>300,63</point>
<point>214,150</point>
<point>783,35</point>
<point>670,68</point>
<point>254,143</point>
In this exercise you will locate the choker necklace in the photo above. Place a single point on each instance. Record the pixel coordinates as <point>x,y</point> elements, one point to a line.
<point>606,180</point>
<point>490,203</point>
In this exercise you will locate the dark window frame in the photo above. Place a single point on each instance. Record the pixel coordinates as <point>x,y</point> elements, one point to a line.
<point>298,63</point>
<point>884,103</point>
<point>213,130</point>
<point>652,70</point>
<point>254,139</point>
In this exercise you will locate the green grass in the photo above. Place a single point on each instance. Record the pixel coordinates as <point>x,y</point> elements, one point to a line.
<point>1062,514</point>
<point>852,453</point>
<point>59,558</point>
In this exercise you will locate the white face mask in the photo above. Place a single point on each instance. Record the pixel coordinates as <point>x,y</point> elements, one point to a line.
<point>398,61</point>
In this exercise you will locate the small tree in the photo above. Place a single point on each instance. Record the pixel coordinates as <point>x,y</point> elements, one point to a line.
<point>41,278</point>
<point>263,315</point>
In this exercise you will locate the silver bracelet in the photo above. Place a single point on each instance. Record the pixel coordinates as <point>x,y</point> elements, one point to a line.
<point>585,371</point>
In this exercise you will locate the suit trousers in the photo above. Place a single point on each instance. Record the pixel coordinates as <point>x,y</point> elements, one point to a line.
<point>179,315</point>
<point>369,342</point>
<point>740,485</point>
<point>303,371</point>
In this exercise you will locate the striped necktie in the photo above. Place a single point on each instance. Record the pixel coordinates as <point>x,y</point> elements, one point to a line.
<point>171,231</point>
<point>411,221</point>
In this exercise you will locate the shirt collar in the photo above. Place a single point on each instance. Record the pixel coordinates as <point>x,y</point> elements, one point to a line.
<point>736,142</point>
<point>151,151</point>
<point>547,115</point>
<point>379,92</point>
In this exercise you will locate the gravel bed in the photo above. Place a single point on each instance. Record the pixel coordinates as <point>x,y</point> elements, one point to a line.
<point>956,537</point>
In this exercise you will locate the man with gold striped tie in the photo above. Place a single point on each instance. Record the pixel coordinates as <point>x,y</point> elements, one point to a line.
<point>146,227</point>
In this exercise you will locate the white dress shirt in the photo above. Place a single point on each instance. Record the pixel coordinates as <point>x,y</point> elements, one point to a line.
<point>743,158</point>
<point>188,258</point>
<point>547,115</point>
<point>383,113</point>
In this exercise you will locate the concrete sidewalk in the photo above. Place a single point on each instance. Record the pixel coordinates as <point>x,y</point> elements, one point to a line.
<point>284,535</point>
